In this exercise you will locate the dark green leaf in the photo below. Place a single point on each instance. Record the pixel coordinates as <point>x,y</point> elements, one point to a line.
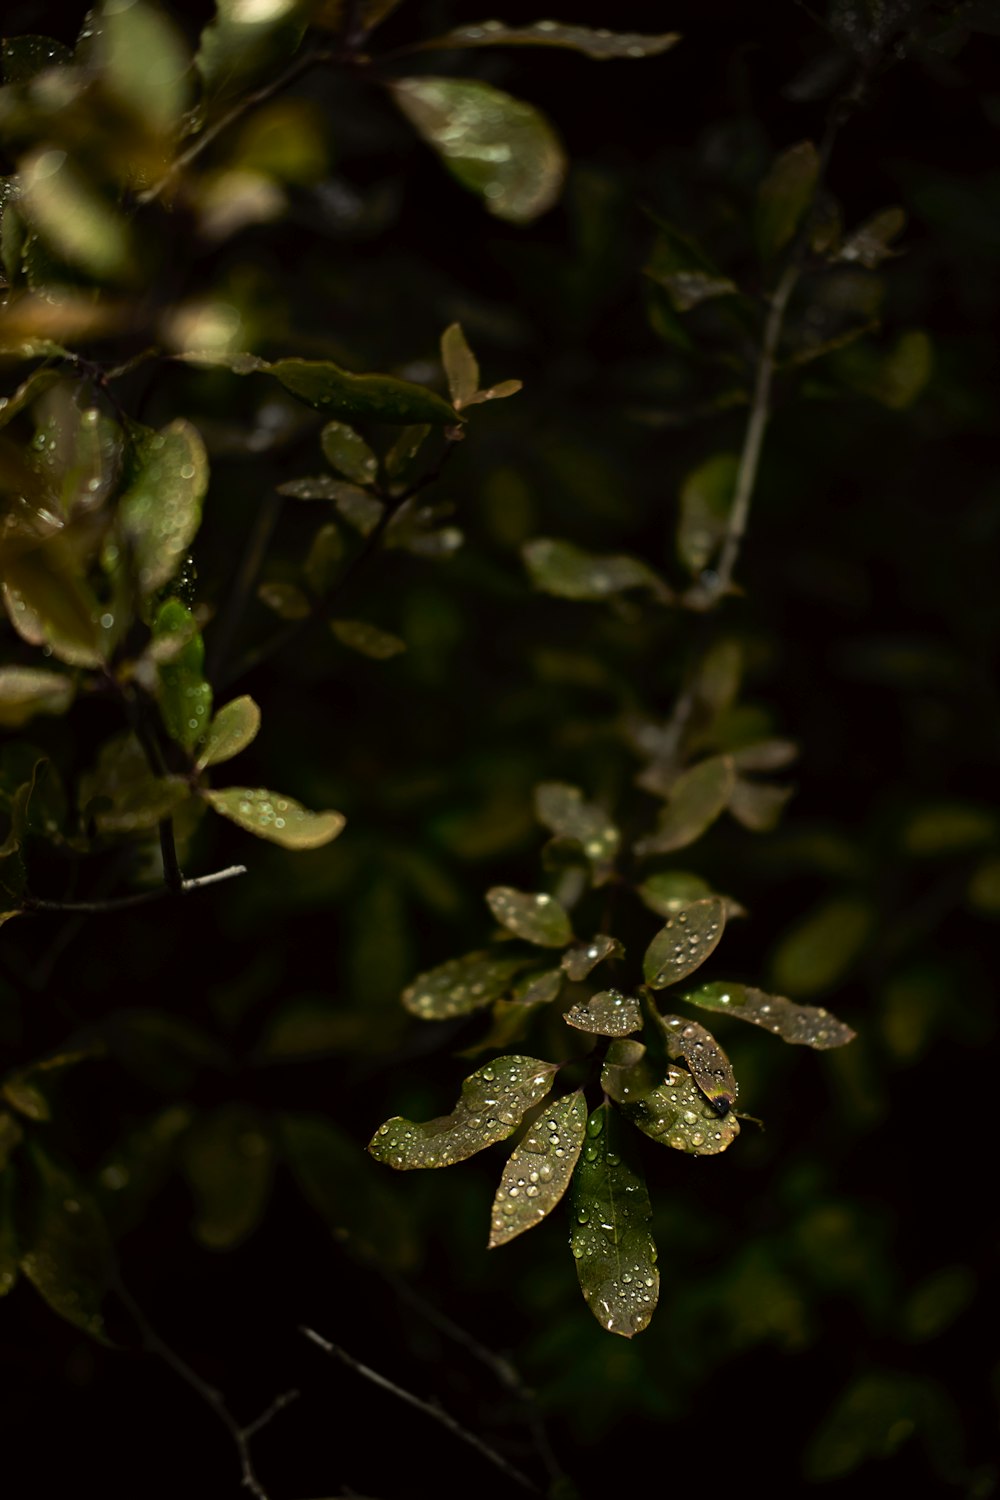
<point>493,1101</point>
<point>538,1171</point>
<point>160,512</point>
<point>228,1159</point>
<point>326,387</point>
<point>582,958</point>
<point>185,697</point>
<point>73,217</point>
<point>689,1042</point>
<point>234,727</point>
<point>684,942</point>
<point>561,808</point>
<point>870,245</point>
<point>608,1013</point>
<point>24,57</point>
<point>461,985</point>
<point>347,452</point>
<point>280,820</point>
<point>321,564</point>
<point>367,639</point>
<point>286,600</point>
<point>706,500</point>
<point>696,800</point>
<point>823,947</point>
<point>65,1249</point>
<point>534,916</point>
<point>27,691</point>
<point>567,571</point>
<point>804,1025</point>
<point>599,45</point>
<point>9,1250</point>
<point>784,198</point>
<point>610,1236</point>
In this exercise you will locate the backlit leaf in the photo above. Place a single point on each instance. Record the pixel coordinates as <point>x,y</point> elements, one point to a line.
<point>802,1025</point>
<point>499,147</point>
<point>367,639</point>
<point>27,691</point>
<point>65,1249</point>
<point>538,1171</point>
<point>696,800</point>
<point>279,819</point>
<point>610,1235</point>
<point>562,809</point>
<point>143,63</point>
<point>185,697</point>
<point>684,942</point>
<point>493,1102</point>
<point>598,44</point>
<point>460,366</point>
<point>50,604</point>
<point>706,500</point>
<point>160,512</point>
<point>228,1160</point>
<point>234,727</point>
<point>563,569</point>
<point>534,916</point>
<point>608,1013</point>
<point>582,958</point>
<point>784,198</point>
<point>346,451</point>
<point>689,1042</point>
<point>245,40</point>
<point>461,985</point>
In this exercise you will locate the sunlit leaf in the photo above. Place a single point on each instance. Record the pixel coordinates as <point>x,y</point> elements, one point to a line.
<point>608,1013</point>
<point>757,804</point>
<point>689,1042</point>
<point>278,819</point>
<point>461,985</point>
<point>610,1235</point>
<point>561,808</point>
<point>493,1102</point>
<point>538,1171</point>
<point>228,1159</point>
<point>674,1113</point>
<point>327,388</point>
<point>499,147</point>
<point>534,916</point>
<point>582,958</point>
<point>234,727</point>
<point>706,500</point>
<point>784,198</point>
<point>804,1025</point>
<point>598,44</point>
<point>27,691</point>
<point>696,800</point>
<point>73,217</point>
<point>460,366</point>
<point>820,949</point>
<point>65,1249</point>
<point>367,639</point>
<point>563,569</point>
<point>185,697</point>
<point>870,245</point>
<point>347,452</point>
<point>286,600</point>
<point>160,511</point>
<point>684,942</point>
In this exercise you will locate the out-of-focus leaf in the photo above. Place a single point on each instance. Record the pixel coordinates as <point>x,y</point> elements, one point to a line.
<point>461,985</point>
<point>50,604</point>
<point>65,1249</point>
<point>561,809</point>
<point>696,800</point>
<point>280,820</point>
<point>37,383</point>
<point>405,449</point>
<point>25,1091</point>
<point>540,987</point>
<point>823,947</point>
<point>137,1166</point>
<point>984,888</point>
<point>765,755</point>
<point>538,1171</point>
<point>582,958</point>
<point>608,1013</point>
<point>895,377</point>
<point>684,942</point>
<point>563,569</point>
<point>367,639</point>
<point>804,1025</point>
<point>873,1417</point>
<point>24,57</point>
<point>348,397</point>
<point>499,147</point>
<point>325,552</point>
<point>346,451</point>
<point>164,1052</point>
<point>460,366</point>
<point>675,1112</point>
<point>11,1135</point>
<point>870,245</point>
<point>670,890</point>
<point>185,697</point>
<point>600,45</point>
<point>73,217</point>
<point>757,805</point>
<point>27,691</point>
<point>492,1104</point>
<point>680,266</point>
<point>286,600</point>
<point>689,1042</point>
<point>706,500</point>
<point>534,916</point>
<point>143,63</point>
<point>949,828</point>
<point>122,794</point>
<point>234,727</point>
<point>610,1236</point>
<point>160,512</point>
<point>784,198</point>
<point>228,1158</point>
<point>9,1250</point>
<point>244,40</point>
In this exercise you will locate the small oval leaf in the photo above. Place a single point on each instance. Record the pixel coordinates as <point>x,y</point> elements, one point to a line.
<point>160,511</point>
<point>27,691</point>
<point>568,572</point>
<point>538,1171</point>
<point>608,1013</point>
<point>346,451</point>
<point>696,800</point>
<point>234,727</point>
<point>689,1042</point>
<point>583,958</point>
<point>367,639</point>
<point>534,916</point>
<point>801,1025</point>
<point>684,942</point>
<point>461,985</point>
<point>279,819</point>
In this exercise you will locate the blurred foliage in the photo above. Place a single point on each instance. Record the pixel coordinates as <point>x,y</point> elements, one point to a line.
<point>541,665</point>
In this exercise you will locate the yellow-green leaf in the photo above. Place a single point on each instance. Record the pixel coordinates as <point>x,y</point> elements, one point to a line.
<point>160,512</point>
<point>234,727</point>
<point>684,942</point>
<point>460,366</point>
<point>367,639</point>
<point>346,451</point>
<point>73,217</point>
<point>27,691</point>
<point>563,569</point>
<point>600,45</point>
<point>184,696</point>
<point>280,820</point>
<point>534,916</point>
<point>706,500</point>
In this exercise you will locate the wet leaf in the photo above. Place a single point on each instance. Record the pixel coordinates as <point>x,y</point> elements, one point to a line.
<point>757,805</point>
<point>27,691</point>
<point>461,985</point>
<point>608,1013</point>
<point>870,245</point>
<point>160,511</point>
<point>326,387</point>
<point>802,1025</point>
<point>367,639</point>
<point>823,947</point>
<point>234,727</point>
<point>499,147</point>
<point>538,1171</point>
<point>689,1042</point>
<point>346,451</point>
<point>569,572</point>
<point>582,958</point>
<point>684,942</point>
<point>37,383</point>
<point>610,1235</point>
<point>784,198</point>
<point>561,808</point>
<point>598,44</point>
<point>185,698</point>
<point>460,366</point>
<point>674,1113</point>
<point>73,218</point>
<point>696,800</point>
<point>493,1101</point>
<point>534,916</point>
<point>286,600</point>
<point>228,1158</point>
<point>65,1249</point>
<point>315,487</point>
<point>279,819</point>
<point>706,500</point>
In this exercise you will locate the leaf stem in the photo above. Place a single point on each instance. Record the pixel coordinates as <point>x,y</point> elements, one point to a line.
<point>139,898</point>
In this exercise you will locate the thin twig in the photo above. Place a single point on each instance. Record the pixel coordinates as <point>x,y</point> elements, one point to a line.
<point>139,898</point>
<point>429,1409</point>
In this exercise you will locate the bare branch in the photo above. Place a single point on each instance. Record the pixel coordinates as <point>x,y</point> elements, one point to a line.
<point>140,898</point>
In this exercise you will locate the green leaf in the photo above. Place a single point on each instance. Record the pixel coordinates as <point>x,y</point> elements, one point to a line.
<point>784,198</point>
<point>684,942</point>
<point>461,985</point>
<point>538,1171</point>
<point>50,604</point>
<point>234,727</point>
<point>74,218</point>
<point>757,805</point>
<point>534,916</point>
<point>460,366</point>
<point>801,1025</point>
<point>143,63</point>
<point>36,384</point>
<point>326,387</point>
<point>681,267</point>
<point>65,1249</point>
<point>9,1251</point>
<point>706,500</point>
<point>498,147</point>
<point>610,1236</point>
<point>347,452</point>
<point>160,512</point>
<point>540,987</point>
<point>321,564</point>
<point>122,795</point>
<point>228,1159</point>
<point>243,41</point>
<point>27,691</point>
<point>944,828</point>
<point>280,820</point>
<point>870,245</point>
<point>670,890</point>
<point>138,1166</point>
<point>569,572</point>
<point>493,1101</point>
<point>405,449</point>
<point>696,800</point>
<point>25,1091</point>
<point>675,1113</point>
<point>600,45</point>
<point>561,808</point>
<point>367,639</point>
<point>608,1013</point>
<point>823,947</point>
<point>689,1042</point>
<point>185,697</point>
<point>582,958</point>
<point>894,378</point>
<point>286,600</point>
